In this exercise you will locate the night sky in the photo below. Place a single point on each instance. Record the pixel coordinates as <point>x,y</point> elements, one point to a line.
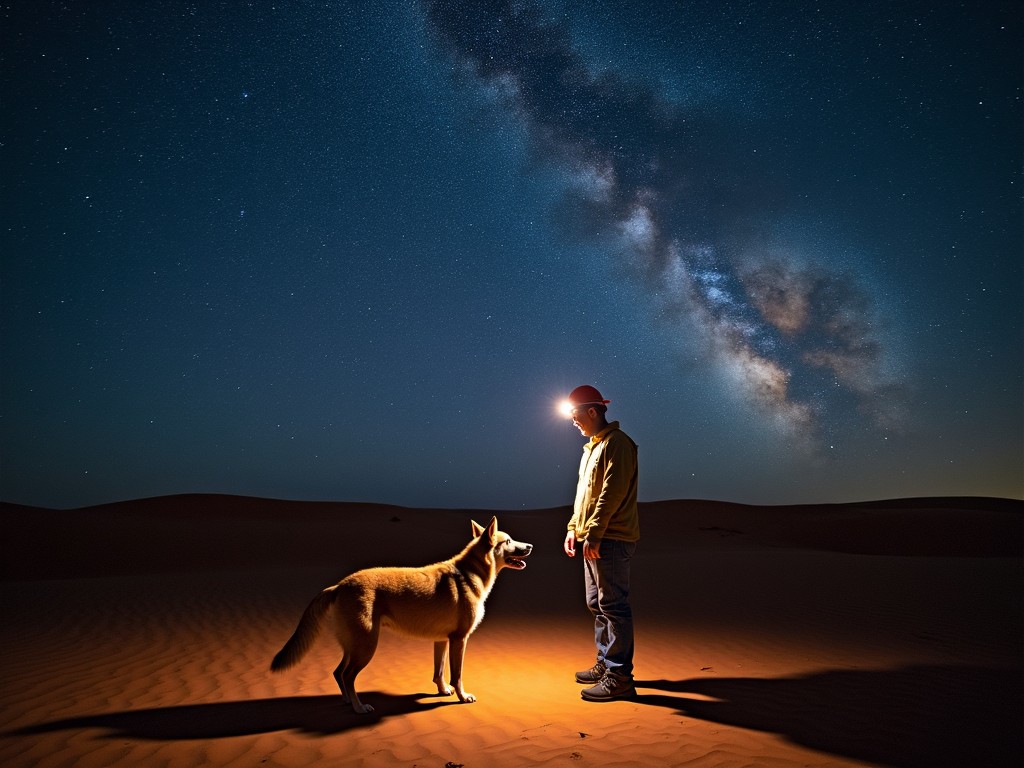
<point>357,251</point>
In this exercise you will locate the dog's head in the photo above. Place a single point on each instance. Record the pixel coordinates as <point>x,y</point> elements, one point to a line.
<point>508,553</point>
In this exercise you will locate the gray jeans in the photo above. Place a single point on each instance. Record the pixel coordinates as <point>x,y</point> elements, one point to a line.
<point>607,582</point>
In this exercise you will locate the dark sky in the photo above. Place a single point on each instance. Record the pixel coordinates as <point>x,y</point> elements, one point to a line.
<point>359,250</point>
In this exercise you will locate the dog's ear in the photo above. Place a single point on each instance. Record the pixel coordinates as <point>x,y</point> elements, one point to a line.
<point>492,529</point>
<point>477,528</point>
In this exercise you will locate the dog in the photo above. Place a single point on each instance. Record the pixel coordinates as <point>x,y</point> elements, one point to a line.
<point>443,602</point>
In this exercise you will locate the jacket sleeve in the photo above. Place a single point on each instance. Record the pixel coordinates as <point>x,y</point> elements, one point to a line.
<point>619,460</point>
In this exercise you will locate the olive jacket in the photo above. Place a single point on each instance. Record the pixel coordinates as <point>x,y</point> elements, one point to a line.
<point>605,505</point>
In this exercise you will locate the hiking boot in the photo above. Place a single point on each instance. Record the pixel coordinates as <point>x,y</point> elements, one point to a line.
<point>611,686</point>
<point>592,675</point>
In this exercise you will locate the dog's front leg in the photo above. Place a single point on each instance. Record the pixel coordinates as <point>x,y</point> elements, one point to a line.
<point>457,651</point>
<point>440,659</point>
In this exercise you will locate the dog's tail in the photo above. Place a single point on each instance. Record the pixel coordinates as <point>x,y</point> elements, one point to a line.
<point>302,639</point>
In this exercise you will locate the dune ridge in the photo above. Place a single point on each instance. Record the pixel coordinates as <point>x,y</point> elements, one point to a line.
<point>105,534</point>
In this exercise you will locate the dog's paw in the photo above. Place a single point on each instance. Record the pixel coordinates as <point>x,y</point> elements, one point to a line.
<point>362,709</point>
<point>467,698</point>
<point>443,689</point>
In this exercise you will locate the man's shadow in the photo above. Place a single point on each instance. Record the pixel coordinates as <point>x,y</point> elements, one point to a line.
<point>914,717</point>
<point>316,715</point>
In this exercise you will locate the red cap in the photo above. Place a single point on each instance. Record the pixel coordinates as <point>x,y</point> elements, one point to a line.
<point>586,395</point>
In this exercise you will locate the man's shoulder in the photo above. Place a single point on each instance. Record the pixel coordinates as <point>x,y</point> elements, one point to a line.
<point>616,436</point>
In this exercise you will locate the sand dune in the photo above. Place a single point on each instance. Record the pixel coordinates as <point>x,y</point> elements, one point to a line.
<point>888,633</point>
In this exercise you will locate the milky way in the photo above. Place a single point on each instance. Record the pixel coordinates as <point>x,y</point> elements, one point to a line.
<point>358,250</point>
<point>798,339</point>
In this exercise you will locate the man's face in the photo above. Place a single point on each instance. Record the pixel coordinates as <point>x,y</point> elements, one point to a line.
<point>586,419</point>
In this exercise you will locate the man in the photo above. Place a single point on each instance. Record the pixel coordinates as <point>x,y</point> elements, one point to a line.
<point>606,526</point>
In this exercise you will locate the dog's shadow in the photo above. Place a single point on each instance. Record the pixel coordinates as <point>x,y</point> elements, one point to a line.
<point>315,715</point>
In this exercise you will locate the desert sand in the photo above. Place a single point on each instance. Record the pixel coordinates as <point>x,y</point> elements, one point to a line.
<point>882,634</point>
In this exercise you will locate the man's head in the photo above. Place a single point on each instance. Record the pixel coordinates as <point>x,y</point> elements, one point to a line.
<point>586,407</point>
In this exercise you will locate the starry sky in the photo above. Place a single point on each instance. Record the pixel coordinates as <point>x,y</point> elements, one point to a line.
<point>359,250</point>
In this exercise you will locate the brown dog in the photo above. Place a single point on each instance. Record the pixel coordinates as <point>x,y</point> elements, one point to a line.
<point>443,602</point>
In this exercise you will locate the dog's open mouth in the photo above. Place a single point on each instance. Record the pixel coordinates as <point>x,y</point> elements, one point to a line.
<point>516,563</point>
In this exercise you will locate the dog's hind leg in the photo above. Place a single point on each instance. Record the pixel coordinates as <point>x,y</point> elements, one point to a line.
<point>362,650</point>
<point>339,678</point>
<point>440,661</point>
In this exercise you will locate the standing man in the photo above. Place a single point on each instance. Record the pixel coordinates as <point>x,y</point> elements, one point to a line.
<point>606,526</point>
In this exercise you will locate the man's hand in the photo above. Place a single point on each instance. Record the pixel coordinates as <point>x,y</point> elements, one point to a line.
<point>570,544</point>
<point>592,550</point>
